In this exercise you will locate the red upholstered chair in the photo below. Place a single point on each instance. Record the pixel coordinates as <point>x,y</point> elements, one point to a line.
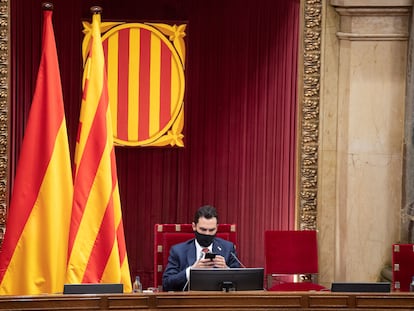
<point>167,235</point>
<point>402,266</point>
<point>291,260</point>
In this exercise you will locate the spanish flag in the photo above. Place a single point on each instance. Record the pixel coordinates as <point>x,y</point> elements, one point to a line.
<point>97,251</point>
<point>33,257</point>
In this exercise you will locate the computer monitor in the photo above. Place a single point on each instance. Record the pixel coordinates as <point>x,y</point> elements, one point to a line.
<point>235,279</point>
<point>93,288</point>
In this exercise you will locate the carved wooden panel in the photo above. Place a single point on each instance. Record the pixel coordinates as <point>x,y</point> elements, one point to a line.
<point>309,115</point>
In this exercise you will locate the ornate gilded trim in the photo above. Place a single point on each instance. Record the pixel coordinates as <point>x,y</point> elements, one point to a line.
<point>4,96</point>
<point>309,115</point>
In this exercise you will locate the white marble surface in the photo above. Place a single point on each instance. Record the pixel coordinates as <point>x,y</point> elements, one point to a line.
<point>362,128</point>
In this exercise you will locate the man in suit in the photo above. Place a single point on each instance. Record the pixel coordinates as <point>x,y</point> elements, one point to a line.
<point>191,254</point>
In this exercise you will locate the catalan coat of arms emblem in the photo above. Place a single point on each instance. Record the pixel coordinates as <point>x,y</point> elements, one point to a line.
<point>146,82</point>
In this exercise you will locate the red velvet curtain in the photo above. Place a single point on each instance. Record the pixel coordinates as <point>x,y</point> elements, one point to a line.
<point>240,115</point>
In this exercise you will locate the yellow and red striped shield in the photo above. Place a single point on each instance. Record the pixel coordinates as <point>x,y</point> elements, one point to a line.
<point>145,69</point>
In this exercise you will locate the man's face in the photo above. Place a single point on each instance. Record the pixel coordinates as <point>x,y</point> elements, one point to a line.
<point>206,226</point>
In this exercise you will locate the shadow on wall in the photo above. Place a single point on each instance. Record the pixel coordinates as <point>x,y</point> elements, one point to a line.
<point>410,216</point>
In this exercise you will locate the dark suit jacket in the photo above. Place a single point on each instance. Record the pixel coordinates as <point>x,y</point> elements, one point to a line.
<point>183,255</point>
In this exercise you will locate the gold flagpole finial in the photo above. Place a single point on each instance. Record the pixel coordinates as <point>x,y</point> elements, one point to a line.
<point>96,10</point>
<point>47,6</point>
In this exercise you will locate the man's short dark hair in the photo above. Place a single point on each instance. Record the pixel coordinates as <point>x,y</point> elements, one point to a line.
<point>206,211</point>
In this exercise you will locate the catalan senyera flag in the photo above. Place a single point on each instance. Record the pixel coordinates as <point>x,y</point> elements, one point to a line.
<point>33,257</point>
<point>97,251</point>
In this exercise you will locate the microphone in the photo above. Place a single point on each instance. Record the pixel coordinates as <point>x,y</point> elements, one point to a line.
<point>185,285</point>
<point>237,259</point>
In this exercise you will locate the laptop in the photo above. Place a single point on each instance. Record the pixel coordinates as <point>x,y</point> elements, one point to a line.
<point>373,287</point>
<point>93,288</point>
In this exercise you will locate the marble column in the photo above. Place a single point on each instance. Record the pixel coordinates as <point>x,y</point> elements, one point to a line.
<point>407,210</point>
<point>362,137</point>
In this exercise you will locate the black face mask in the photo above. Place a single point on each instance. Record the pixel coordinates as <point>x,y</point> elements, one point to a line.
<point>204,239</point>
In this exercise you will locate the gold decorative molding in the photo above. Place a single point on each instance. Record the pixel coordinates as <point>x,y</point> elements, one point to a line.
<point>4,96</point>
<point>309,115</point>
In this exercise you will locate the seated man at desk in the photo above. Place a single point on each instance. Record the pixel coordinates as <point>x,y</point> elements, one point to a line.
<point>192,253</point>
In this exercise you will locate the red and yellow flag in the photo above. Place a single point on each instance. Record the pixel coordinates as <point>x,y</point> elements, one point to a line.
<point>34,252</point>
<point>97,251</point>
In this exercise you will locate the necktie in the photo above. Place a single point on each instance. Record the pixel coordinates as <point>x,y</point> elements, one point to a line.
<point>203,252</point>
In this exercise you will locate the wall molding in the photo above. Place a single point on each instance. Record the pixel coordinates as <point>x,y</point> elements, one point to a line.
<point>309,115</point>
<point>4,103</point>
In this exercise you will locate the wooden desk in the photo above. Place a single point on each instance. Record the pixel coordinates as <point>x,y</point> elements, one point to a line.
<point>213,301</point>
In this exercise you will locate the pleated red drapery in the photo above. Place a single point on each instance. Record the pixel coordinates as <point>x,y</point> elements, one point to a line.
<point>240,116</point>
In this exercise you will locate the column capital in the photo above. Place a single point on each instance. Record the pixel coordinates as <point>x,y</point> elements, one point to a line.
<point>371,3</point>
<point>373,20</point>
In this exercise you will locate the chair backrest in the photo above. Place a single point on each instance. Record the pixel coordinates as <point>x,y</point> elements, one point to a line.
<point>167,235</point>
<point>402,266</point>
<point>291,252</point>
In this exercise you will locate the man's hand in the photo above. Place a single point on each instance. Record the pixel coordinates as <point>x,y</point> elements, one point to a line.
<point>204,263</point>
<point>217,262</point>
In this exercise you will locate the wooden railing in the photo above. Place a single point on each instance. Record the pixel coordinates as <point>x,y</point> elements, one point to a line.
<point>205,301</point>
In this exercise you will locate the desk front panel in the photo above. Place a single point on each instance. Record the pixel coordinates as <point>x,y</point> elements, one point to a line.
<point>206,301</point>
